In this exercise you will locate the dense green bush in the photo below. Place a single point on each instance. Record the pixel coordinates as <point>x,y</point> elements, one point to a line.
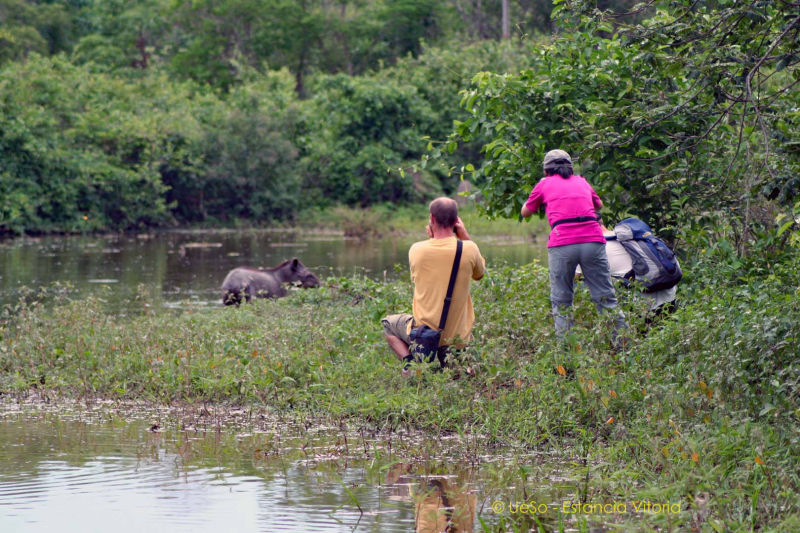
<point>86,150</point>
<point>244,161</point>
<point>83,151</point>
<point>91,147</point>
<point>359,135</point>
<point>439,75</point>
<point>376,127</point>
<point>652,115</point>
<point>33,27</point>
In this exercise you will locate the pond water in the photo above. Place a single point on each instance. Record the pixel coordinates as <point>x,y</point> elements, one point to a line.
<point>102,472</point>
<point>184,269</point>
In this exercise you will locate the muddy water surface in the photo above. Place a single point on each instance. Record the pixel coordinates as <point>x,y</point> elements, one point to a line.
<point>184,269</point>
<point>102,471</point>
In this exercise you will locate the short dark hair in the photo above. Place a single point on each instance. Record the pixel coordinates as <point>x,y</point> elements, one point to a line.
<point>444,211</point>
<point>559,167</point>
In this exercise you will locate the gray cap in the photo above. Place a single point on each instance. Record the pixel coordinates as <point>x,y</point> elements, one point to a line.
<point>555,155</point>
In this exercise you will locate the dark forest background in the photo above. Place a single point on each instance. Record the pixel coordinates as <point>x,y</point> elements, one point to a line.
<point>120,115</point>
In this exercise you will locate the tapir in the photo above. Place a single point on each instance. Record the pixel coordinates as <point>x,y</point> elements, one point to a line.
<point>246,283</point>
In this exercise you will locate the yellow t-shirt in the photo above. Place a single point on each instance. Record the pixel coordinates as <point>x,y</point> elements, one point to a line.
<point>431,262</point>
<point>444,508</point>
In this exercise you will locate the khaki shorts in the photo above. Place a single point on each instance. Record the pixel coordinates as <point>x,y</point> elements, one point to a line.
<point>398,326</point>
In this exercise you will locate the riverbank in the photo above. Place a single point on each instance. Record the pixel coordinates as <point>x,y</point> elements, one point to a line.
<point>381,220</point>
<point>702,411</point>
<point>184,268</point>
<point>387,219</point>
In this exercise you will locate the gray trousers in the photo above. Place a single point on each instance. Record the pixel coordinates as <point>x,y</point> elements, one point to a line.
<point>591,256</point>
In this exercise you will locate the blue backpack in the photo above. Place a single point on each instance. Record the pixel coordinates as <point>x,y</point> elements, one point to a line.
<point>654,264</point>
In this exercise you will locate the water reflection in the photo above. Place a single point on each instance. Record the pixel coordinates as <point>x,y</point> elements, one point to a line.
<point>61,474</point>
<point>441,503</point>
<point>443,507</point>
<point>183,269</point>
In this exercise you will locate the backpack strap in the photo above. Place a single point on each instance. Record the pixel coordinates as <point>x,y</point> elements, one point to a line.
<point>451,285</point>
<point>627,278</point>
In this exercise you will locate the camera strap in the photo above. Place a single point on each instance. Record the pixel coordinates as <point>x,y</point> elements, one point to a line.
<point>451,285</point>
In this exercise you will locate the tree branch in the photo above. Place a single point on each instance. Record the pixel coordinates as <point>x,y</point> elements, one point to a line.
<point>749,89</point>
<point>637,11</point>
<point>776,94</point>
<point>700,138</point>
<point>671,23</point>
<point>665,117</point>
<point>738,145</point>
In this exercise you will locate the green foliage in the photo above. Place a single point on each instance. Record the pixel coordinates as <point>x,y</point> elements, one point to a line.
<point>371,129</point>
<point>19,42</point>
<point>222,37</point>
<point>84,150</point>
<point>406,24</point>
<point>118,34</point>
<point>80,151</point>
<point>304,36</point>
<point>246,162</point>
<point>652,115</point>
<point>212,42</point>
<point>439,74</point>
<point>377,126</point>
<point>116,140</point>
<point>27,27</point>
<point>482,19</point>
<point>123,147</point>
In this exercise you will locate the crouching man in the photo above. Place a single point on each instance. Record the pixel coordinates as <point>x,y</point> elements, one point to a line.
<point>432,262</point>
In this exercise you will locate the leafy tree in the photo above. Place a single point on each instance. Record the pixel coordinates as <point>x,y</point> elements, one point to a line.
<point>244,161</point>
<point>19,42</point>
<point>684,116</point>
<point>371,128</point>
<point>305,36</point>
<point>438,74</point>
<point>27,27</point>
<point>483,19</point>
<point>406,23</point>
<point>82,151</point>
<point>216,35</point>
<point>121,34</point>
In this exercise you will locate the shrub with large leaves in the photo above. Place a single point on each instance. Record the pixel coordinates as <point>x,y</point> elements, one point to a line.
<point>682,119</point>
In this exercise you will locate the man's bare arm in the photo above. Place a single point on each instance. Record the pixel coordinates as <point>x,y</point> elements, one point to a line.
<point>461,230</point>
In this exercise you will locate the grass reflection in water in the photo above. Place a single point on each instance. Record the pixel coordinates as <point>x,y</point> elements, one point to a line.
<point>76,468</point>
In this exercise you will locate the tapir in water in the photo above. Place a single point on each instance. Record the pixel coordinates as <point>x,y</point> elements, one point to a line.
<point>247,283</point>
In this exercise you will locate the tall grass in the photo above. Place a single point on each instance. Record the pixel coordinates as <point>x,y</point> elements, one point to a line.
<point>702,411</point>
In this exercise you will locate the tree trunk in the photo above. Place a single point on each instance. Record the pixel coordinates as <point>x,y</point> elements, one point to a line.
<point>506,19</point>
<point>300,87</point>
<point>479,19</point>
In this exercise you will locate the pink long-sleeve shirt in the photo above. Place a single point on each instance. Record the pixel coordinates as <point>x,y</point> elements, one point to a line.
<point>567,198</point>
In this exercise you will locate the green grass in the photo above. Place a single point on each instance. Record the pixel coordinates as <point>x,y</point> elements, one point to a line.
<point>386,219</point>
<point>701,412</point>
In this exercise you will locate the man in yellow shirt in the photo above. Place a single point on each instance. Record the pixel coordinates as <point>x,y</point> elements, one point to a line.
<point>431,262</point>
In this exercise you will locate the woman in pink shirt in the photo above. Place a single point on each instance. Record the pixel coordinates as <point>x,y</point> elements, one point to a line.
<point>576,238</point>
